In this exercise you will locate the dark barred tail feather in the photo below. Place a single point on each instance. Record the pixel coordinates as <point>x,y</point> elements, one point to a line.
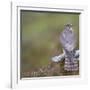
<point>70,64</point>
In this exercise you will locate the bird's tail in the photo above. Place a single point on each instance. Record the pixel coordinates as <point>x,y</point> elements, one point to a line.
<point>70,63</point>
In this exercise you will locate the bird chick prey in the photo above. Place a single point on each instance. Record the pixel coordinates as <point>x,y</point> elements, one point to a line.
<point>68,42</point>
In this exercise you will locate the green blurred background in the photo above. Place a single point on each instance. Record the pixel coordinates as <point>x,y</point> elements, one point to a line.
<point>40,33</point>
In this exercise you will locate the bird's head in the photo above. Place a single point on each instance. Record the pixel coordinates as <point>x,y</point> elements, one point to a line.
<point>68,27</point>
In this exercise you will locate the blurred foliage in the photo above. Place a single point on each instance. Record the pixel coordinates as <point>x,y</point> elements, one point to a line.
<point>40,33</point>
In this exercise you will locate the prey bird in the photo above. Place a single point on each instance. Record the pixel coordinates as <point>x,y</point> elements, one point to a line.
<point>68,42</point>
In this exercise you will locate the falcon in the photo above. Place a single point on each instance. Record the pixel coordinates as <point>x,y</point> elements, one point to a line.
<point>68,42</point>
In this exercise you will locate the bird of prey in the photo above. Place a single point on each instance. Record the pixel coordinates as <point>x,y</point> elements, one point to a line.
<point>68,42</point>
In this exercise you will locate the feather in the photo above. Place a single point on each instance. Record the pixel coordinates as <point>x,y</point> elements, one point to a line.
<point>68,42</point>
